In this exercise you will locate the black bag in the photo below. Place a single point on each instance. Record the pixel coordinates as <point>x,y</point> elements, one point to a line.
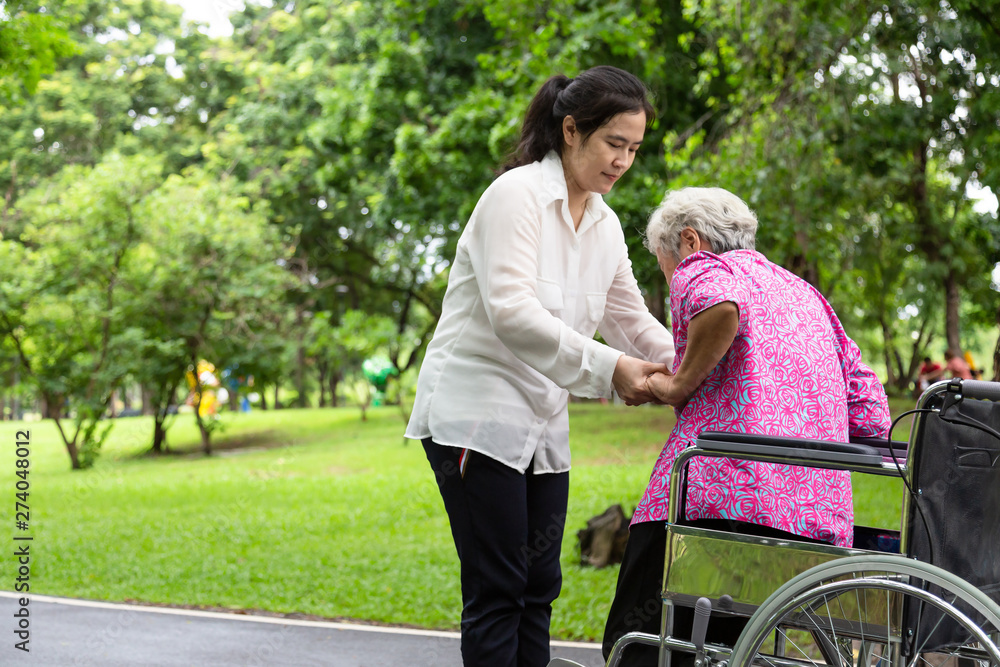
<point>603,541</point>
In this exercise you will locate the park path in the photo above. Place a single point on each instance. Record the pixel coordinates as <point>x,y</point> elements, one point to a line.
<point>69,633</point>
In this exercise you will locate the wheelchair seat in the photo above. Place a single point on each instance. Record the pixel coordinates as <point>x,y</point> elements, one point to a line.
<point>697,558</point>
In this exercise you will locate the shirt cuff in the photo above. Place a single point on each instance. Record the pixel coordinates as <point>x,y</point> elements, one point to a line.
<point>602,361</point>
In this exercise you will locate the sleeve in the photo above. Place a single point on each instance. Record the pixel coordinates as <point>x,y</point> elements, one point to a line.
<point>704,280</point>
<point>503,246</point>
<point>628,325</point>
<point>867,405</point>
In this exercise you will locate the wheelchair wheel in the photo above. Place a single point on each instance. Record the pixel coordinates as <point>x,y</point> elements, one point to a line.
<point>873,611</point>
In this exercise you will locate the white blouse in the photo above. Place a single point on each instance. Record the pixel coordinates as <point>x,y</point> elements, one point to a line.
<point>525,295</point>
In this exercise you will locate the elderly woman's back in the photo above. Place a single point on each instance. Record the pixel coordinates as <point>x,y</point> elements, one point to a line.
<point>790,370</point>
<point>760,351</point>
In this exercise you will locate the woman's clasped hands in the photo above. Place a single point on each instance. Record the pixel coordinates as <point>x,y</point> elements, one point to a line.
<point>667,389</point>
<point>631,376</point>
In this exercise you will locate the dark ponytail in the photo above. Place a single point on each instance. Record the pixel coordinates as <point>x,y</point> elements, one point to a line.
<point>593,98</point>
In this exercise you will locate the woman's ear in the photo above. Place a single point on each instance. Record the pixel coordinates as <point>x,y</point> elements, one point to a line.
<point>691,241</point>
<point>571,134</point>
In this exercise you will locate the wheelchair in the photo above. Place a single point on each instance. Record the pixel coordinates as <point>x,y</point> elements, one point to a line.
<point>926,595</point>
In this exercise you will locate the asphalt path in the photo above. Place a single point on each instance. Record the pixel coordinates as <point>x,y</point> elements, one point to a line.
<point>73,633</point>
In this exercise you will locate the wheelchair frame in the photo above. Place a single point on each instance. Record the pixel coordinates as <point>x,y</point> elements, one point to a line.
<point>861,608</point>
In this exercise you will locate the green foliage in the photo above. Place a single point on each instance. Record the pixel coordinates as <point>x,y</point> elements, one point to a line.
<point>854,130</point>
<point>117,275</point>
<point>215,268</point>
<point>31,43</point>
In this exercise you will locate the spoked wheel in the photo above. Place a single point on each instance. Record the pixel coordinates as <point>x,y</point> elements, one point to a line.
<point>873,611</point>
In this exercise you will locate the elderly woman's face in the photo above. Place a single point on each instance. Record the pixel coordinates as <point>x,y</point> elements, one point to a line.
<point>668,263</point>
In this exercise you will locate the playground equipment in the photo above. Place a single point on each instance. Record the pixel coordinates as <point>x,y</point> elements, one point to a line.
<point>209,384</point>
<point>377,371</point>
<point>923,596</point>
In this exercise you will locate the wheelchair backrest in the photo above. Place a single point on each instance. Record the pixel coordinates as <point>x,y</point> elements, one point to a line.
<point>952,517</point>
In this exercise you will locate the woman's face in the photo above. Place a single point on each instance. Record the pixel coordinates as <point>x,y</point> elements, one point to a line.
<point>596,164</point>
<point>668,264</point>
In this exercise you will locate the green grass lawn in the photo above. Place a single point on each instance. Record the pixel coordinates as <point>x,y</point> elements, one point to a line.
<point>309,511</point>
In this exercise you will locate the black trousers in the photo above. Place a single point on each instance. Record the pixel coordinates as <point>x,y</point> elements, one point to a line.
<point>638,606</point>
<point>508,530</point>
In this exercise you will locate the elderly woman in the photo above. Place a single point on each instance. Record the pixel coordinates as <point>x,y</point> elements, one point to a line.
<point>758,350</point>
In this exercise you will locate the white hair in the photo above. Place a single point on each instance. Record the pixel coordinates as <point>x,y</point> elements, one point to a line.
<point>720,218</point>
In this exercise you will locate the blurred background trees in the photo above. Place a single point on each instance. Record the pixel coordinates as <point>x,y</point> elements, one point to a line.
<point>285,200</point>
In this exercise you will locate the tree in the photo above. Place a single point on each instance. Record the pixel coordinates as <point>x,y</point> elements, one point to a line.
<point>73,290</point>
<point>218,281</point>
<point>359,337</point>
<point>891,106</point>
<point>320,155</point>
<point>131,82</point>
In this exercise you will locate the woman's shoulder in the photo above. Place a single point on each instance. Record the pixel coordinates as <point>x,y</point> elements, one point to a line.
<point>525,174</point>
<point>704,261</point>
<point>518,183</point>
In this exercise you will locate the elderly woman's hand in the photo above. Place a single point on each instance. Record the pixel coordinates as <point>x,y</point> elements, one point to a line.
<point>667,390</point>
<point>630,376</point>
<point>710,334</point>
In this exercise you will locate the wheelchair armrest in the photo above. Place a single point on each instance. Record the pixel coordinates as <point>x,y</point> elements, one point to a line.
<point>885,448</point>
<point>791,448</point>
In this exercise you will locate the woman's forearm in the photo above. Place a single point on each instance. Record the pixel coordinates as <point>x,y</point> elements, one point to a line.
<point>710,335</point>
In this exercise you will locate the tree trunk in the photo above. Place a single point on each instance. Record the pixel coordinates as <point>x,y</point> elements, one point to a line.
<point>234,400</point>
<point>159,435</point>
<point>334,381</point>
<point>996,353</point>
<point>277,403</point>
<point>206,436</point>
<point>160,414</point>
<point>199,392</point>
<point>71,449</point>
<point>263,398</point>
<point>147,401</point>
<point>302,401</point>
<point>904,377</point>
<point>952,302</point>
<point>321,369</point>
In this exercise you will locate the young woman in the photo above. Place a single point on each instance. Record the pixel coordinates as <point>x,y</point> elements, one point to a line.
<point>541,266</point>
